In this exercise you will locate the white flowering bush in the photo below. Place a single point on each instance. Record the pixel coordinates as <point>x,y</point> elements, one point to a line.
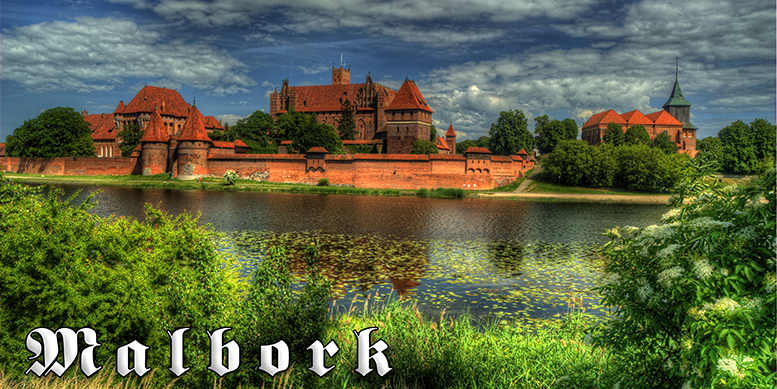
<point>694,297</point>
<point>230,176</point>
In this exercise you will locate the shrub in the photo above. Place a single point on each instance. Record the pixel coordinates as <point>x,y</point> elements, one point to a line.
<point>423,192</point>
<point>230,176</point>
<point>695,296</point>
<point>64,267</point>
<point>323,181</point>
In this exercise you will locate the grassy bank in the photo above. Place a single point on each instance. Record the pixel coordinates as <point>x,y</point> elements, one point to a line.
<point>441,352</point>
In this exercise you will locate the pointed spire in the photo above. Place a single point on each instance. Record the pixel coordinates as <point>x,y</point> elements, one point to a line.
<point>676,99</point>
<point>155,129</point>
<point>194,128</point>
<point>450,131</point>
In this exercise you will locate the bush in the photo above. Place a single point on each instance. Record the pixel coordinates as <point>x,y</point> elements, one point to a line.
<point>424,147</point>
<point>695,296</point>
<point>230,176</point>
<point>64,267</point>
<point>323,181</point>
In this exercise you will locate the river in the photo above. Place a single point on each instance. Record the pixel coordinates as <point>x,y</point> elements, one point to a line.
<point>496,259</point>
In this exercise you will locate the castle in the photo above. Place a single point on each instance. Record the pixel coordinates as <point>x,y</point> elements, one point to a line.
<point>394,118</point>
<point>674,120</point>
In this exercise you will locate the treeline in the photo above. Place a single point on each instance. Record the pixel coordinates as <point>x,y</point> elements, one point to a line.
<point>510,134</point>
<point>742,149</point>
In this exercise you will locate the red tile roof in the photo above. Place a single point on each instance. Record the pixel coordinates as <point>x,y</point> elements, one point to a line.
<point>479,150</point>
<point>168,101</point>
<point>240,143</point>
<point>155,130</point>
<point>605,117</point>
<point>447,156</point>
<point>285,142</point>
<point>441,144</point>
<point>212,123</point>
<point>635,117</point>
<point>359,142</point>
<point>523,152</point>
<point>120,108</point>
<point>194,129</point>
<point>450,131</point>
<point>501,158</point>
<point>223,145</point>
<point>317,149</point>
<point>322,98</point>
<point>409,97</point>
<point>103,127</point>
<point>663,117</point>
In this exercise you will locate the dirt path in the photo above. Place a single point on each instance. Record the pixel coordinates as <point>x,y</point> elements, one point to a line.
<point>525,184</point>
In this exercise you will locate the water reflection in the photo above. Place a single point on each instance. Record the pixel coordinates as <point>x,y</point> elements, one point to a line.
<point>495,259</point>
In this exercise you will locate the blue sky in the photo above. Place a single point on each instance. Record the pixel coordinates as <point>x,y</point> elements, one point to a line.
<point>470,58</point>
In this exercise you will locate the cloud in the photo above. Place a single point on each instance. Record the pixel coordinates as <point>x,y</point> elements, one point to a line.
<point>315,69</point>
<point>92,54</point>
<point>229,118</point>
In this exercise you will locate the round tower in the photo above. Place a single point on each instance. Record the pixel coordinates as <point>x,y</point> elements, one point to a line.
<point>193,147</point>
<point>153,154</point>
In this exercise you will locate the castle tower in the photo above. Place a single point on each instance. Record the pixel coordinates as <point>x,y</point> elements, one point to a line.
<point>154,146</point>
<point>408,119</point>
<point>341,76</point>
<point>193,147</point>
<point>450,139</point>
<point>680,108</point>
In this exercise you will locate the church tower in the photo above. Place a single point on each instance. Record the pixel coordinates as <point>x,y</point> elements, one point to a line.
<point>680,108</point>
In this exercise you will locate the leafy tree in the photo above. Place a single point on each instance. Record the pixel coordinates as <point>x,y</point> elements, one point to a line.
<point>696,294</point>
<point>424,147</point>
<point>254,130</point>
<point>572,129</point>
<point>569,162</point>
<point>764,139</point>
<point>432,133</point>
<point>649,169</point>
<point>57,132</point>
<point>509,135</point>
<point>604,166</point>
<point>637,135</point>
<point>712,148</point>
<point>665,143</point>
<point>614,134</point>
<point>483,141</point>
<point>130,137</point>
<point>551,132</point>
<point>305,132</point>
<point>346,126</point>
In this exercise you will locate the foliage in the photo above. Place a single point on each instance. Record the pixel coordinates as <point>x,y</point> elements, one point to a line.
<point>744,146</point>
<point>270,313</point>
<point>637,135</point>
<point>130,137</point>
<point>614,135</point>
<point>695,296</point>
<point>441,193</point>
<point>604,167</point>
<point>57,132</point>
<point>509,134</point>
<point>346,126</point>
<point>61,266</point>
<point>424,147</point>
<point>551,132</point>
<point>230,176</point>
<point>710,147</point>
<point>222,136</point>
<point>483,141</point>
<point>643,168</point>
<point>359,149</point>
<point>305,132</point>
<point>570,162</point>
<point>253,130</point>
<point>665,143</point>
<point>432,133</point>
<point>323,181</point>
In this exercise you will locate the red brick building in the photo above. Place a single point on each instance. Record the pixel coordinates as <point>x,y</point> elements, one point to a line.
<point>673,120</point>
<point>397,118</point>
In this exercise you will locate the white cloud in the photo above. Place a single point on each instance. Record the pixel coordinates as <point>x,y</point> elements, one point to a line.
<point>229,118</point>
<point>315,69</point>
<point>92,54</point>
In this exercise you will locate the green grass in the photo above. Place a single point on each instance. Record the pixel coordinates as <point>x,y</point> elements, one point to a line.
<point>442,193</point>
<point>543,185</point>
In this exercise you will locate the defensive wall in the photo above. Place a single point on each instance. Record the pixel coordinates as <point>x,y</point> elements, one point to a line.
<point>382,171</point>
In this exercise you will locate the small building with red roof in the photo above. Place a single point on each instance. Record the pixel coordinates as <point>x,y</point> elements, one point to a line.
<point>104,134</point>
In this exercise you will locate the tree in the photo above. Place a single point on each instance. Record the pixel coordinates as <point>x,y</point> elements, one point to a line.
<point>432,133</point>
<point>569,162</point>
<point>637,135</point>
<point>711,148</point>
<point>614,134</point>
<point>305,132</point>
<point>764,138</point>
<point>665,143</point>
<point>424,147</point>
<point>130,137</point>
<point>604,166</point>
<point>346,126</point>
<point>551,132</point>
<point>57,132</point>
<point>256,132</point>
<point>509,135</point>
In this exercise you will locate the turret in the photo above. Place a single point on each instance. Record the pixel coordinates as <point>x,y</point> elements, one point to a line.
<point>450,139</point>
<point>193,147</point>
<point>154,146</point>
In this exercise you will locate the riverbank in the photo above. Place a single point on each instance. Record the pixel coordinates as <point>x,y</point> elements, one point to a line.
<point>217,184</point>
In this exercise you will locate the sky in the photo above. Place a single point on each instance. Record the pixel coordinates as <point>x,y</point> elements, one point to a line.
<point>471,59</point>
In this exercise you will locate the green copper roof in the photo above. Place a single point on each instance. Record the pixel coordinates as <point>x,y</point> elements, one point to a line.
<point>676,98</point>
